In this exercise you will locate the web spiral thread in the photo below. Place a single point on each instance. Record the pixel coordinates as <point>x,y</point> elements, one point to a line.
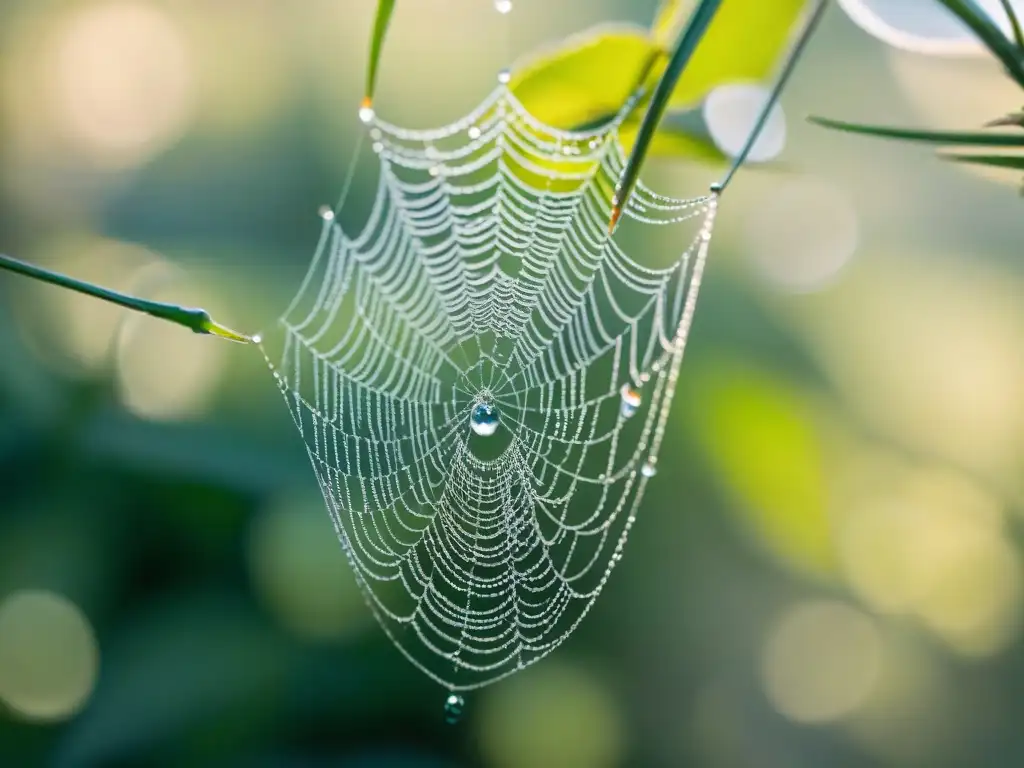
<point>485,275</point>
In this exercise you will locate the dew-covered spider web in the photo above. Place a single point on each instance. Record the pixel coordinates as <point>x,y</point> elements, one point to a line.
<point>482,376</point>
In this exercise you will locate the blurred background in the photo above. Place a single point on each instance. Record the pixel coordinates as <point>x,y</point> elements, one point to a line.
<point>827,571</point>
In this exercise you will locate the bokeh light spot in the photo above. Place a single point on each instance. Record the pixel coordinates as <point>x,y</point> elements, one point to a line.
<point>551,715</point>
<point>820,661</point>
<point>730,112</point>
<point>48,656</point>
<point>802,235</point>
<point>123,81</point>
<point>299,570</point>
<point>164,372</point>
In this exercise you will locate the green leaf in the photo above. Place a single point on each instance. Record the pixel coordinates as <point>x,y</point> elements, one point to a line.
<point>667,22</point>
<point>991,35</point>
<point>380,29</point>
<point>967,138</point>
<point>1015,162</point>
<point>1018,33</point>
<point>589,78</point>
<point>743,44</point>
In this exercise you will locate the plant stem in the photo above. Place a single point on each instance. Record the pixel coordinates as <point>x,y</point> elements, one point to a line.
<point>691,37</point>
<point>196,320</point>
<point>1018,35</point>
<point>777,87</point>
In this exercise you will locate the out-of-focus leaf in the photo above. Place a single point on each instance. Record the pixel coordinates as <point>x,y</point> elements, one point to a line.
<point>966,138</point>
<point>1015,162</point>
<point>672,142</point>
<point>668,21</point>
<point>760,437</point>
<point>380,29</point>
<point>998,44</point>
<point>743,44</point>
<point>587,79</point>
<point>1014,118</point>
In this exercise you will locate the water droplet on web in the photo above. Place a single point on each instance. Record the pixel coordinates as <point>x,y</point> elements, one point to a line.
<point>474,132</point>
<point>504,76</point>
<point>453,707</point>
<point>648,469</point>
<point>326,213</point>
<point>257,338</point>
<point>366,113</point>
<point>503,6</point>
<point>631,400</point>
<point>484,420</point>
<point>434,170</point>
<point>378,147</point>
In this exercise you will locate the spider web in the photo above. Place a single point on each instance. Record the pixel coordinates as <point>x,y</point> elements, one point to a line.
<point>485,275</point>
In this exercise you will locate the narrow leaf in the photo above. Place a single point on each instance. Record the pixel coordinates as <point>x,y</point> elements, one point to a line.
<point>967,138</point>
<point>1018,34</point>
<point>380,29</point>
<point>693,34</point>
<point>196,320</point>
<point>667,22</point>
<point>991,35</point>
<point>1015,162</point>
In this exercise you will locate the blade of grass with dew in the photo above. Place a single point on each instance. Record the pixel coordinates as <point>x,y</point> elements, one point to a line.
<point>195,319</point>
<point>695,29</point>
<point>380,29</point>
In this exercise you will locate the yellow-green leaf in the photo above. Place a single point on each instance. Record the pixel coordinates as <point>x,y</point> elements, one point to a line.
<point>668,22</point>
<point>743,44</point>
<point>761,439</point>
<point>588,78</point>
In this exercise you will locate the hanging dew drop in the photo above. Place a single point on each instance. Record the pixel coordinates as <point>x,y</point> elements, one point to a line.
<point>366,113</point>
<point>474,132</point>
<point>631,400</point>
<point>453,707</point>
<point>484,420</point>
<point>504,76</point>
<point>648,469</point>
<point>326,213</point>
<point>503,6</point>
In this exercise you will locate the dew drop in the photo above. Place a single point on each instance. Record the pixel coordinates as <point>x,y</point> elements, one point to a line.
<point>474,132</point>
<point>257,338</point>
<point>648,469</point>
<point>453,707</point>
<point>484,420</point>
<point>326,213</point>
<point>434,170</point>
<point>504,76</point>
<point>631,400</point>
<point>503,6</point>
<point>378,147</point>
<point>366,113</point>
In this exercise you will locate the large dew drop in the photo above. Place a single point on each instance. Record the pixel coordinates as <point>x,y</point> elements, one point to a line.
<point>631,400</point>
<point>484,420</point>
<point>453,707</point>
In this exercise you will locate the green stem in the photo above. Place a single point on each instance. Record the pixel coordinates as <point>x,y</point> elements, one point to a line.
<point>692,35</point>
<point>196,320</point>
<point>777,87</point>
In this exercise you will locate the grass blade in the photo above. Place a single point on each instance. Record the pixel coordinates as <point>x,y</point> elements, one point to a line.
<point>1011,14</point>
<point>196,320</point>
<point>780,83</point>
<point>695,29</point>
<point>966,138</point>
<point>1011,56</point>
<point>1015,162</point>
<point>380,29</point>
